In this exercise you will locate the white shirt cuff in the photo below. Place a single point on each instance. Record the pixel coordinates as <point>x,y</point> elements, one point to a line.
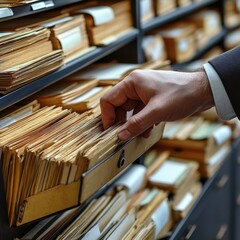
<point>222,103</point>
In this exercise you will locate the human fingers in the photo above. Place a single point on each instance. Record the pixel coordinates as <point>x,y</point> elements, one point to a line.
<point>120,115</point>
<point>114,98</point>
<point>138,123</point>
<point>148,132</point>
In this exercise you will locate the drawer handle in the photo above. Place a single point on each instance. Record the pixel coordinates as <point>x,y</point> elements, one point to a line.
<point>121,160</point>
<point>221,232</point>
<point>223,181</point>
<point>190,232</point>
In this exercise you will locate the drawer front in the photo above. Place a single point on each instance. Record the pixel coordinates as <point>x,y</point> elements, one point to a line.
<point>236,196</point>
<point>210,219</point>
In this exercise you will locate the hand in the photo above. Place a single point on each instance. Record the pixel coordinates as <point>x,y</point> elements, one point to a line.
<point>155,96</point>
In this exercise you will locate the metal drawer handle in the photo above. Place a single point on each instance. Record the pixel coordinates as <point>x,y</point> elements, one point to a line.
<point>222,182</point>
<point>190,232</point>
<point>221,232</point>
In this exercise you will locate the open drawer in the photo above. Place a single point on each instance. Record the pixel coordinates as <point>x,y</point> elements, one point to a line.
<point>65,196</point>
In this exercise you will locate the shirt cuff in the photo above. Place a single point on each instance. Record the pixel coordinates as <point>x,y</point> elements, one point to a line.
<point>222,103</point>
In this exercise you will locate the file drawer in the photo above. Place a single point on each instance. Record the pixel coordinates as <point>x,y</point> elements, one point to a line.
<point>65,196</point>
<point>210,219</point>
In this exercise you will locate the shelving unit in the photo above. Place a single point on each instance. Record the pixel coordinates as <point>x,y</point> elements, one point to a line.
<point>175,15</point>
<point>33,8</point>
<point>69,68</point>
<point>129,43</point>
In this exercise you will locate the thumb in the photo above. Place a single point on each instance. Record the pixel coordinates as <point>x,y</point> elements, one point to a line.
<point>138,123</point>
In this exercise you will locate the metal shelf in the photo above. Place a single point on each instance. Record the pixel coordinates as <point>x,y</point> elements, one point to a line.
<point>42,6</point>
<point>175,15</point>
<point>71,67</point>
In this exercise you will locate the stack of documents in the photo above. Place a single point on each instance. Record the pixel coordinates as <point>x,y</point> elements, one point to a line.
<point>178,177</point>
<point>70,35</point>
<point>207,23</point>
<point>146,10</point>
<point>164,6</point>
<point>200,140</point>
<point>212,116</point>
<point>180,40</point>
<point>183,2</point>
<point>107,20</point>
<point>44,149</point>
<point>25,56</point>
<point>13,114</point>
<point>113,73</point>
<point>231,16</point>
<point>79,96</point>
<point>48,228</point>
<point>154,48</point>
<point>126,211</point>
<point>14,3</point>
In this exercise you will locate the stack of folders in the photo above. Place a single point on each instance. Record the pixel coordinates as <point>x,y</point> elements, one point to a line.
<point>181,3</point>
<point>68,33</point>
<point>234,124</point>
<point>126,211</point>
<point>154,48</point>
<point>164,6</point>
<point>48,228</point>
<point>107,20</point>
<point>200,140</point>
<point>82,91</point>
<point>179,40</point>
<point>194,66</point>
<point>79,96</point>
<point>113,73</point>
<point>47,148</point>
<point>25,56</point>
<point>232,16</point>
<point>207,23</point>
<point>233,39</point>
<point>176,176</point>
<point>146,10</point>
<point>14,3</point>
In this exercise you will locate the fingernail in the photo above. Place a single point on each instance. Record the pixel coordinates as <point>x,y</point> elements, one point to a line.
<point>124,135</point>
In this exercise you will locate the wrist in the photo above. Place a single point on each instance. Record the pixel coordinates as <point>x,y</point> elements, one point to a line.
<point>205,92</point>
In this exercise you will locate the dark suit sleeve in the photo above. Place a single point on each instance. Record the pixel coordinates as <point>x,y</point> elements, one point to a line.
<point>227,65</point>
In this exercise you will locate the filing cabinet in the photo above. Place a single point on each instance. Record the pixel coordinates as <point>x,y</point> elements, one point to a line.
<point>236,186</point>
<point>210,218</point>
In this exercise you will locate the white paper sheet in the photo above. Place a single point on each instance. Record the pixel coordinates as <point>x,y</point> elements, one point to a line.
<point>133,178</point>
<point>169,172</point>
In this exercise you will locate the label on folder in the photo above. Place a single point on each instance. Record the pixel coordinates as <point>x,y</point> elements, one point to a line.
<point>38,5</point>
<point>5,12</point>
<point>70,39</point>
<point>49,3</point>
